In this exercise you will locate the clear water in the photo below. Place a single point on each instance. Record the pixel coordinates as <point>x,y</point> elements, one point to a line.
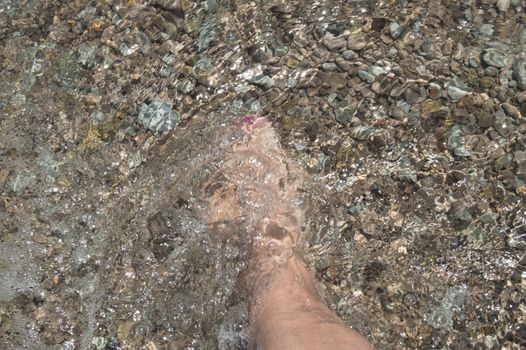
<point>103,239</point>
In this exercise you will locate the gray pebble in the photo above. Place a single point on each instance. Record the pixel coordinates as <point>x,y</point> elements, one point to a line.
<point>364,75</point>
<point>395,30</point>
<point>349,55</point>
<point>328,66</point>
<point>457,89</point>
<point>158,116</point>
<point>185,86</point>
<point>356,42</point>
<point>495,58</point>
<point>503,5</point>
<point>265,82</point>
<point>378,70</point>
<point>487,29</point>
<point>519,73</point>
<point>333,43</point>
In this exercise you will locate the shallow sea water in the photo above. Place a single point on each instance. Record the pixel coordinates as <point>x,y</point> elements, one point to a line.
<point>410,131</point>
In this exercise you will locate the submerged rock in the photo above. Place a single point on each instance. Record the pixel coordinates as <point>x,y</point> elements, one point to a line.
<point>457,89</point>
<point>456,143</point>
<point>158,116</point>
<point>495,58</point>
<point>519,73</point>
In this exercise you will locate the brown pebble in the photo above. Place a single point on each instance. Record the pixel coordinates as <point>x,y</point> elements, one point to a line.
<point>55,280</point>
<point>521,191</point>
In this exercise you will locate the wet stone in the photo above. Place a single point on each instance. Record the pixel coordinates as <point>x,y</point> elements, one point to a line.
<point>502,124</point>
<point>206,34</point>
<point>503,5</point>
<point>492,71</point>
<point>495,58</point>
<point>356,42</point>
<point>487,29</point>
<point>87,54</point>
<point>264,82</point>
<point>395,30</point>
<point>329,67</point>
<point>369,77</point>
<point>349,55</point>
<point>362,133</point>
<point>484,119</point>
<point>457,88</point>
<point>456,142</point>
<point>378,70</point>
<point>503,162</point>
<point>158,116</point>
<point>185,86</point>
<point>519,73</point>
<point>333,43</point>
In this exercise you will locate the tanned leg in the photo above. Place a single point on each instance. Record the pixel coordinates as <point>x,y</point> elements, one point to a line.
<point>258,186</point>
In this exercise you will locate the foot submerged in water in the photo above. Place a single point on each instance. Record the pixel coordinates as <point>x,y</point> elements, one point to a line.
<point>257,185</point>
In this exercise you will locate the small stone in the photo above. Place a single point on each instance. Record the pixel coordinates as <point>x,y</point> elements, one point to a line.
<point>502,124</point>
<point>495,58</point>
<point>503,162</point>
<point>185,86</point>
<point>434,90</point>
<point>364,75</point>
<point>343,115</point>
<point>474,58</point>
<point>457,89</point>
<point>211,5</point>
<point>492,71</point>
<point>292,62</point>
<point>485,119</point>
<point>519,73</point>
<point>392,52</point>
<point>503,5</point>
<point>333,43</point>
<point>395,30</point>
<point>264,82</point>
<point>377,70</point>
<point>521,191</point>
<point>349,55</point>
<point>487,29</point>
<point>356,42</point>
<point>456,143</point>
<point>487,82</point>
<point>362,133</point>
<point>430,106</point>
<point>511,110</point>
<point>158,116</point>
<point>328,67</point>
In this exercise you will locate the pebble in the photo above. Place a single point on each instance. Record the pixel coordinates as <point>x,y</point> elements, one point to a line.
<point>377,70</point>
<point>356,42</point>
<point>503,5</point>
<point>349,55</point>
<point>264,82</point>
<point>395,30</point>
<point>329,67</point>
<point>333,43</point>
<point>519,73</point>
<point>457,89</point>
<point>485,119</point>
<point>158,116</point>
<point>495,58</point>
<point>362,133</point>
<point>502,124</point>
<point>456,143</point>
<point>365,75</point>
<point>185,86</point>
<point>487,29</point>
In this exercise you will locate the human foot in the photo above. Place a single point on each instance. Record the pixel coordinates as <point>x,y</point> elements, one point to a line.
<point>257,185</point>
